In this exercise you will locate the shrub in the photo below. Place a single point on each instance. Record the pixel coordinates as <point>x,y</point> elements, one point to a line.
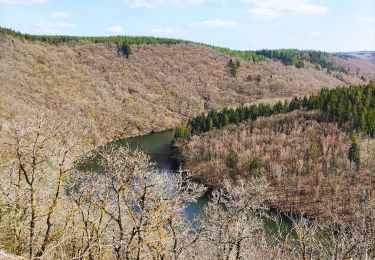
<point>255,165</point>
<point>300,64</point>
<point>181,131</point>
<point>258,78</point>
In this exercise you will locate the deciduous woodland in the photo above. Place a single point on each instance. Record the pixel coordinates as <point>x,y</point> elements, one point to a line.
<point>303,157</point>
<point>158,87</point>
<point>312,155</point>
<point>312,159</point>
<point>50,210</point>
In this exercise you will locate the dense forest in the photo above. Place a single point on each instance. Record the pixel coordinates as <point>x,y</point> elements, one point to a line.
<point>55,39</point>
<point>251,56</point>
<point>297,58</point>
<point>353,106</point>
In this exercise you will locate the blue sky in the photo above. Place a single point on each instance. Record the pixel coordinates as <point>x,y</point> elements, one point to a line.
<point>330,25</point>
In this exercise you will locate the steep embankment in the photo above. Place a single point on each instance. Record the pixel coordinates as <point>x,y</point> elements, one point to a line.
<point>158,87</point>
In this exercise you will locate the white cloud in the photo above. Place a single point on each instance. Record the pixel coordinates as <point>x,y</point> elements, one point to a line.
<point>270,9</point>
<point>114,29</point>
<point>141,4</point>
<point>152,4</point>
<point>366,19</point>
<point>263,13</point>
<point>165,31</point>
<point>60,14</point>
<point>214,24</point>
<point>314,34</point>
<point>54,28</point>
<point>22,2</point>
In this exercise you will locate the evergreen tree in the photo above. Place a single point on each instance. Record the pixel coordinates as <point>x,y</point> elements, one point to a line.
<point>313,148</point>
<point>125,49</point>
<point>349,106</point>
<point>232,161</point>
<point>255,165</point>
<point>278,108</point>
<point>354,150</point>
<point>233,66</point>
<point>294,104</point>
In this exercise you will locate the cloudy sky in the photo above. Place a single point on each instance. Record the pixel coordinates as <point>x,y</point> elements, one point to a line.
<point>329,25</point>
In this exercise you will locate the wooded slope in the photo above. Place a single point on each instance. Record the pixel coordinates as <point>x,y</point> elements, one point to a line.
<point>158,87</point>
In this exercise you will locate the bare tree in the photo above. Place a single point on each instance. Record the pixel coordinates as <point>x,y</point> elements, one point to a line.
<point>143,208</point>
<point>126,209</point>
<point>40,155</point>
<point>232,226</point>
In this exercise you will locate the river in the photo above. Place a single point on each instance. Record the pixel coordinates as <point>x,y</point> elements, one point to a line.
<point>158,146</point>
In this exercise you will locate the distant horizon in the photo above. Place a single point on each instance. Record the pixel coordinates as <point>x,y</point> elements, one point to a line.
<point>187,40</point>
<point>334,26</point>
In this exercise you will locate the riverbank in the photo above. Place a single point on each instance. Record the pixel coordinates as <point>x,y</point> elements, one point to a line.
<point>304,160</point>
<point>301,185</point>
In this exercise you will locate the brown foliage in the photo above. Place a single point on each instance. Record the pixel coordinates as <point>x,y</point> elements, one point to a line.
<point>127,210</point>
<point>305,162</point>
<point>157,88</point>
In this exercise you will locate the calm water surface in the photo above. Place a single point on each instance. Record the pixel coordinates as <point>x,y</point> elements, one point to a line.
<point>158,147</point>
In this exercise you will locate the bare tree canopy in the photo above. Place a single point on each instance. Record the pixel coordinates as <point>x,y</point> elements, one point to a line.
<point>129,210</point>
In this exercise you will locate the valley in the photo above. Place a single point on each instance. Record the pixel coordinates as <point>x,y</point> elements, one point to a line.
<point>126,147</point>
<point>157,88</point>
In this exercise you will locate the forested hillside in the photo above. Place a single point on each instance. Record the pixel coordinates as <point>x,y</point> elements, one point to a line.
<point>305,159</point>
<point>312,150</point>
<point>161,84</point>
<point>283,129</point>
<point>350,106</point>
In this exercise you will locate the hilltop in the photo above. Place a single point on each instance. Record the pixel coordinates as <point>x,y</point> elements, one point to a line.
<point>161,84</point>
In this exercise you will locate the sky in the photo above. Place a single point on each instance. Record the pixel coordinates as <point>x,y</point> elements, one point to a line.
<point>327,25</point>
